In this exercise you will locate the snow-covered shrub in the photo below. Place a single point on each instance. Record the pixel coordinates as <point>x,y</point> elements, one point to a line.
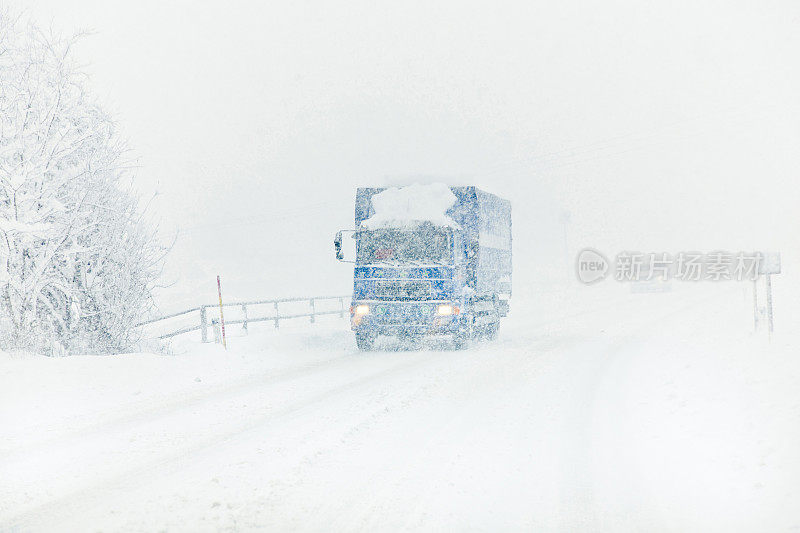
<point>77,261</point>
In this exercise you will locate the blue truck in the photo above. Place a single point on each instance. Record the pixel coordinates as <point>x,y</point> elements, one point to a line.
<point>417,275</point>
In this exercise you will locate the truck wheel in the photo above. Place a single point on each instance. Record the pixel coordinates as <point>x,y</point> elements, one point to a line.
<point>461,339</point>
<point>491,330</point>
<point>365,342</point>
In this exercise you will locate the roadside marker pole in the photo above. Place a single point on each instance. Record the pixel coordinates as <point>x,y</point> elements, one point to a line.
<point>755,305</point>
<point>771,264</point>
<point>221,317</point>
<point>769,305</point>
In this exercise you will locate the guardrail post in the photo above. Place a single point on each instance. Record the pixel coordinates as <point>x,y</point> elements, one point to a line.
<point>341,307</point>
<point>215,327</point>
<point>277,315</point>
<point>311,302</point>
<point>203,324</point>
<point>244,312</point>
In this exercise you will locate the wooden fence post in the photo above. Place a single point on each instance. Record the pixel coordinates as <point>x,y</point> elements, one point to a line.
<point>203,324</point>
<point>277,315</point>
<point>221,315</point>
<point>311,302</point>
<point>244,312</point>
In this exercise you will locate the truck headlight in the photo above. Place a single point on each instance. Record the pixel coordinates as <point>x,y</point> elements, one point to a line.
<point>446,309</point>
<point>362,310</point>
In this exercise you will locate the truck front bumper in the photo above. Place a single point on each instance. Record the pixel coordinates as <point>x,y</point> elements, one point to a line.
<point>404,318</point>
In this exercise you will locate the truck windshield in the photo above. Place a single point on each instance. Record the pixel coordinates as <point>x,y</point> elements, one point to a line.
<point>430,245</point>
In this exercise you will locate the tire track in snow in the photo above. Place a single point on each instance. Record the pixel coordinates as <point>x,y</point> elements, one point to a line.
<point>72,503</point>
<point>577,506</point>
<point>160,407</point>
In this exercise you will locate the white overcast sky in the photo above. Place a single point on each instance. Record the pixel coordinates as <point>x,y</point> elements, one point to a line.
<point>658,126</point>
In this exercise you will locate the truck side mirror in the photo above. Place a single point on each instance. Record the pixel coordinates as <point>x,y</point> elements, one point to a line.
<point>337,244</point>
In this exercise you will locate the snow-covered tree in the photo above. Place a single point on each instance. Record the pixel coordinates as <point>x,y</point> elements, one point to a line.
<point>77,261</point>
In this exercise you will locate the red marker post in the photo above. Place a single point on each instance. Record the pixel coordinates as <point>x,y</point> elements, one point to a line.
<point>221,316</point>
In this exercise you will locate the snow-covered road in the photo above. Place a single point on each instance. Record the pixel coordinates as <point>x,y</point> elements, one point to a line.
<point>621,412</point>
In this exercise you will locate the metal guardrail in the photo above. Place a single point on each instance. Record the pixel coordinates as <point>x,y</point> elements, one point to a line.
<point>276,317</point>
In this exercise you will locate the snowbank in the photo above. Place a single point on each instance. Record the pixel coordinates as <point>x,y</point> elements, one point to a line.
<point>411,206</point>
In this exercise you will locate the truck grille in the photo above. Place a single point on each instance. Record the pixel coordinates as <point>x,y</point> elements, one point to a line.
<point>403,290</point>
<point>403,314</point>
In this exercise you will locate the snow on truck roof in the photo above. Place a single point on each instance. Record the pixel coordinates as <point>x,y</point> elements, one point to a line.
<point>412,205</point>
